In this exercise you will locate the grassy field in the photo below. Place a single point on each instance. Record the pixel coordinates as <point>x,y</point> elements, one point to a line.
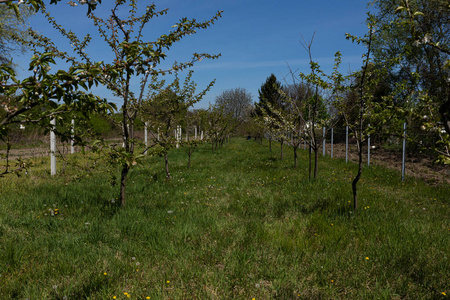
<point>240,224</point>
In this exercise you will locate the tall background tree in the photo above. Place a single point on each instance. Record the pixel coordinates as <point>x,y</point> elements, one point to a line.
<point>13,32</point>
<point>237,103</point>
<point>269,97</point>
<point>412,41</point>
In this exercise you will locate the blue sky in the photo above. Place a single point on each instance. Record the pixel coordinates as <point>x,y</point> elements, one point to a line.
<point>255,38</point>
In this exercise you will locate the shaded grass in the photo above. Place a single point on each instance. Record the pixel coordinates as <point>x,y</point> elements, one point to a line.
<point>240,224</point>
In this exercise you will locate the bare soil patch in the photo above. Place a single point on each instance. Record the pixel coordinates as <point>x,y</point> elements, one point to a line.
<point>416,165</point>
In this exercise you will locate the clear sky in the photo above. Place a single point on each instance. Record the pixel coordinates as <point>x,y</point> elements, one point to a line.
<point>255,38</point>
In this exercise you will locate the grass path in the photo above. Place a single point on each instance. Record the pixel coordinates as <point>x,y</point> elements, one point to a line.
<point>240,224</point>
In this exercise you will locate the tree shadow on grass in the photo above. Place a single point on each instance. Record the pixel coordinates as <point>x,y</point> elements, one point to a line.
<point>325,205</point>
<point>320,205</point>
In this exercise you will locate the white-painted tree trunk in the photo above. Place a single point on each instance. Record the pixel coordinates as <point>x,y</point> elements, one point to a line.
<point>368,149</point>
<point>346,143</point>
<point>331,143</point>
<point>404,152</point>
<point>178,135</point>
<point>72,140</point>
<point>324,141</point>
<point>52,148</point>
<point>146,137</point>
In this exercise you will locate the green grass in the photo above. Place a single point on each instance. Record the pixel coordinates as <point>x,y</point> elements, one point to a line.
<point>240,224</point>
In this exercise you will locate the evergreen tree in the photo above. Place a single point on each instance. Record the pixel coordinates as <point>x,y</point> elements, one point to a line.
<point>269,95</point>
<point>269,99</point>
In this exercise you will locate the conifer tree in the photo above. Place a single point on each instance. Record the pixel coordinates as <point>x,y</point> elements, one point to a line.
<point>269,97</point>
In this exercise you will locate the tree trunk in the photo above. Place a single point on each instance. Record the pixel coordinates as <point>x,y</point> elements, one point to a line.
<point>270,144</point>
<point>131,135</point>
<point>123,181</point>
<point>295,157</point>
<point>358,175</point>
<point>310,162</point>
<point>281,153</point>
<point>189,160</point>
<point>166,161</point>
<point>444,110</point>
<point>316,161</point>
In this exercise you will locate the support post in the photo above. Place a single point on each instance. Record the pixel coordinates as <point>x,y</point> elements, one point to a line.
<point>332,142</point>
<point>368,149</point>
<point>324,141</point>
<point>72,137</point>
<point>178,135</point>
<point>52,148</point>
<point>146,137</point>
<point>404,152</point>
<point>346,143</point>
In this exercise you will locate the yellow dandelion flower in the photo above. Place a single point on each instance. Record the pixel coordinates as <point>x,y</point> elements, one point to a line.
<point>114,297</point>
<point>367,258</point>
<point>148,297</point>
<point>443,293</point>
<point>105,273</point>
<point>168,281</point>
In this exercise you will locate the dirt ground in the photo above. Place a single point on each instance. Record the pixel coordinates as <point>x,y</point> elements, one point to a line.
<point>36,151</point>
<point>419,166</point>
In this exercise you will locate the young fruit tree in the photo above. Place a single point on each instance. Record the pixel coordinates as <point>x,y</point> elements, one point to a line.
<point>167,109</point>
<point>191,143</point>
<point>413,42</point>
<point>364,83</point>
<point>312,106</point>
<point>135,58</point>
<point>217,125</point>
<point>45,95</point>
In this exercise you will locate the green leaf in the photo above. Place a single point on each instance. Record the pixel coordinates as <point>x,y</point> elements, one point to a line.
<point>16,9</point>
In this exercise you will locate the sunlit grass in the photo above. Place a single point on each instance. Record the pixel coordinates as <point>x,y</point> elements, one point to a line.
<point>240,224</point>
